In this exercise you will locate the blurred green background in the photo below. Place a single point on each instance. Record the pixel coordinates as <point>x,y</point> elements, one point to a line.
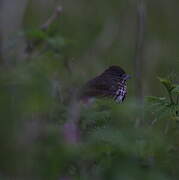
<point>41,69</point>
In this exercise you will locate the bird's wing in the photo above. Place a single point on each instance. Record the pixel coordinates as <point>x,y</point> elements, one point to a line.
<point>100,86</point>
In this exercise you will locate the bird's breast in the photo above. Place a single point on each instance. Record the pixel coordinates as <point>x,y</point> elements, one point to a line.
<point>120,93</point>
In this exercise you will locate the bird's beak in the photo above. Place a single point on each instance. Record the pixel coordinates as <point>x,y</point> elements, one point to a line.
<point>127,77</point>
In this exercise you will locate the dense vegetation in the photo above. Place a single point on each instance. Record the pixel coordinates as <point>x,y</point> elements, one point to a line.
<point>108,141</point>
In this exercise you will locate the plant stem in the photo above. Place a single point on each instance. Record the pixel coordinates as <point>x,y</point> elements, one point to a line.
<point>170,96</point>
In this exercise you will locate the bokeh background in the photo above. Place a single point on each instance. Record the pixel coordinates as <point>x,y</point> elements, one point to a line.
<point>49,49</point>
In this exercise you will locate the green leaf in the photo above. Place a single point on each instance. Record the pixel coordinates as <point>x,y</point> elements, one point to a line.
<point>154,99</point>
<point>36,34</point>
<point>56,42</point>
<point>176,90</point>
<point>167,83</point>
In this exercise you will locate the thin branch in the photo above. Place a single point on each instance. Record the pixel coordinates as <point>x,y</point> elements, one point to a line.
<point>138,66</point>
<point>138,60</point>
<point>71,129</point>
<point>44,27</point>
<point>52,18</point>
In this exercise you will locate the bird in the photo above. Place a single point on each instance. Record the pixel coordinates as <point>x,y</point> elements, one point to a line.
<point>111,83</point>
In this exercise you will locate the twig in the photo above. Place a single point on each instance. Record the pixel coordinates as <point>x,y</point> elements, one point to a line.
<point>44,27</point>
<point>51,19</point>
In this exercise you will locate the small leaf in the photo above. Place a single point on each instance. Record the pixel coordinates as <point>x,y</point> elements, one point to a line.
<point>167,83</point>
<point>176,90</point>
<point>37,34</point>
<point>154,99</point>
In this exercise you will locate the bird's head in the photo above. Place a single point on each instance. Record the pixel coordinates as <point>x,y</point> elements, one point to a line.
<point>118,72</point>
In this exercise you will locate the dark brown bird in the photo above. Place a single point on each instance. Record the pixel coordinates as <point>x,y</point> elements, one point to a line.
<point>111,83</point>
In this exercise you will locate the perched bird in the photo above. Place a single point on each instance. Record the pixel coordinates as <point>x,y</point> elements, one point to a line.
<point>111,83</point>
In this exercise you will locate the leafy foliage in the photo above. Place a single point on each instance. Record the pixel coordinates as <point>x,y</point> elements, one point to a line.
<point>166,107</point>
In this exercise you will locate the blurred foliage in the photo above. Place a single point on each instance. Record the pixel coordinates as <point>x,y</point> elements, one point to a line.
<point>166,107</point>
<point>36,95</point>
<point>111,145</point>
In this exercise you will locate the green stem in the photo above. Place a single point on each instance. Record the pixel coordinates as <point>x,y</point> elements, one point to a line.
<point>170,97</point>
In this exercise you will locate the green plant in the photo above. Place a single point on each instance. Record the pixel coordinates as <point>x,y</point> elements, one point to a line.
<point>166,107</point>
